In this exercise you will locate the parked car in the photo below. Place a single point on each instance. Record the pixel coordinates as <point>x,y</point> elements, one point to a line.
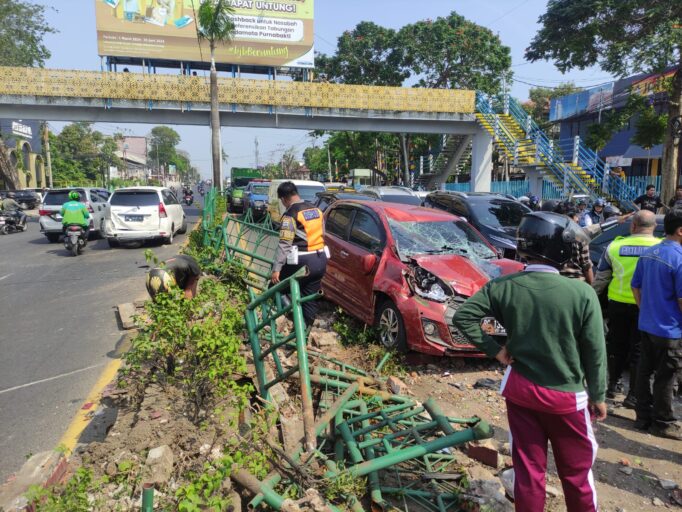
<point>27,198</point>
<point>306,189</point>
<point>601,242</point>
<point>256,197</point>
<point>144,213</point>
<point>393,194</point>
<point>496,216</point>
<point>406,270</point>
<point>50,220</point>
<point>326,199</point>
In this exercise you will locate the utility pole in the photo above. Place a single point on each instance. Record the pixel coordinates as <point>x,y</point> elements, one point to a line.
<point>257,163</point>
<point>329,163</point>
<point>48,156</point>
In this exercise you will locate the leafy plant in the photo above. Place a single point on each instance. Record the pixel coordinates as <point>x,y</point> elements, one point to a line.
<point>72,497</point>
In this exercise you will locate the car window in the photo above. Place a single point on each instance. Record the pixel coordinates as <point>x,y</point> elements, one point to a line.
<point>168,197</point>
<point>308,192</point>
<point>366,232</point>
<point>401,199</point>
<point>323,203</point>
<point>94,198</point>
<point>135,198</point>
<point>338,222</point>
<point>59,197</point>
<point>499,213</point>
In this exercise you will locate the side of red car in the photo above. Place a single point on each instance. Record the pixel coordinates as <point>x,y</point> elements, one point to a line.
<point>406,269</point>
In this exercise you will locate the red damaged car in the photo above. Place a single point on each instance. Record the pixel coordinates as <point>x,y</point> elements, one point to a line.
<point>406,270</point>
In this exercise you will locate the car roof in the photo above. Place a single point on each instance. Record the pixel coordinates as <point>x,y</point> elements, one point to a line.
<point>475,195</point>
<point>299,182</point>
<point>404,212</point>
<point>390,189</point>
<point>149,189</point>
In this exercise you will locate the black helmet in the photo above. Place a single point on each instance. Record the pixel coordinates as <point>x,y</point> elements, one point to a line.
<point>550,205</point>
<point>611,211</point>
<point>548,237</point>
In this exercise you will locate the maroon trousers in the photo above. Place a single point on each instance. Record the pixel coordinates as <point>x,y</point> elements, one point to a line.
<point>574,447</point>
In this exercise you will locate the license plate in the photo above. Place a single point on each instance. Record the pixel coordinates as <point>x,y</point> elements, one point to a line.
<point>492,327</point>
<point>134,218</point>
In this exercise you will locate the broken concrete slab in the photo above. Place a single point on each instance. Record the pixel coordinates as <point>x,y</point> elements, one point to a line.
<point>44,468</point>
<point>127,313</point>
<point>485,452</point>
<point>324,339</point>
<point>159,464</point>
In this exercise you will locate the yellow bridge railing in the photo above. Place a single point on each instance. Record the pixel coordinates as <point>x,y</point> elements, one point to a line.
<point>193,89</point>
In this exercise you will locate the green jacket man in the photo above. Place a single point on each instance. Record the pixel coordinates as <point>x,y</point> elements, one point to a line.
<point>75,212</point>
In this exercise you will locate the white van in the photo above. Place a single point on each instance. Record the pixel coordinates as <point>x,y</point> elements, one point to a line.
<point>306,189</point>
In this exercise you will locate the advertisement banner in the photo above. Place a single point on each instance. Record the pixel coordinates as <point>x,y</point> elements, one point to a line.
<point>590,100</point>
<point>275,33</point>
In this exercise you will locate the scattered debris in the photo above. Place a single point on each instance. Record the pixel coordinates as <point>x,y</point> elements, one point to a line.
<point>627,470</point>
<point>668,485</point>
<point>657,502</point>
<point>397,386</point>
<point>487,383</point>
<point>484,452</point>
<point>160,464</point>
<point>127,313</point>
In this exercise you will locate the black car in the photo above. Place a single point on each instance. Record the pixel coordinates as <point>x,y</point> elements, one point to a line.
<point>27,199</point>
<point>495,215</point>
<point>326,199</point>
<point>601,242</point>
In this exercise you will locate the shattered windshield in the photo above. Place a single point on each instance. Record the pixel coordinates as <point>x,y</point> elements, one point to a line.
<point>261,190</point>
<point>439,237</point>
<point>499,213</point>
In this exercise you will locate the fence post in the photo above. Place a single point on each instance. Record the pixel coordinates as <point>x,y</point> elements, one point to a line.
<point>576,149</point>
<point>506,104</point>
<point>516,153</point>
<point>529,123</point>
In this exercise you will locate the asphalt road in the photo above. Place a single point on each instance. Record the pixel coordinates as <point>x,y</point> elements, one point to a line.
<point>58,322</point>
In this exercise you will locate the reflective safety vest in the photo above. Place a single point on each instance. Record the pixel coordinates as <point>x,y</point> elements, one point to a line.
<point>624,253</point>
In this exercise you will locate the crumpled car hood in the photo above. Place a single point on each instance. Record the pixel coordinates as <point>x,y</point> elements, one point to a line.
<point>466,276</point>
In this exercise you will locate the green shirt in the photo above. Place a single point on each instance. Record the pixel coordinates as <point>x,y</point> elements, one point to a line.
<point>554,327</point>
<point>74,212</point>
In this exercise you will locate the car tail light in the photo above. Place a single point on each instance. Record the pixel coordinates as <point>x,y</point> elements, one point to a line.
<point>43,212</point>
<point>90,209</point>
<point>162,211</point>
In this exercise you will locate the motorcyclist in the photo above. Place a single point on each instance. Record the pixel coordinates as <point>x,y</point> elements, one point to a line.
<point>74,212</point>
<point>596,214</point>
<point>11,207</point>
<point>534,203</point>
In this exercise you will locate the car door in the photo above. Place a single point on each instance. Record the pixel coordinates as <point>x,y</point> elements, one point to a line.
<point>337,226</point>
<point>173,207</point>
<point>96,205</point>
<point>360,257</point>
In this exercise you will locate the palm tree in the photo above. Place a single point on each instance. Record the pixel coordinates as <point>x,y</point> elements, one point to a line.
<point>215,26</point>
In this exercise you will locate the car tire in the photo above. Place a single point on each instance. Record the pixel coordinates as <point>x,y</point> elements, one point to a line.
<point>169,239</point>
<point>113,243</point>
<point>391,327</point>
<point>53,238</point>
<point>183,229</point>
<point>4,230</point>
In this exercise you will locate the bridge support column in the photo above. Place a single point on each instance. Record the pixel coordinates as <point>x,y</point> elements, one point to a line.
<point>481,162</point>
<point>535,179</point>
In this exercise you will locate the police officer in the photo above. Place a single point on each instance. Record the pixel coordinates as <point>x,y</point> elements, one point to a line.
<point>615,270</point>
<point>301,244</point>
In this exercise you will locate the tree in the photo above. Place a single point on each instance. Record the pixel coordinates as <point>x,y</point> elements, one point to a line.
<point>316,159</point>
<point>367,55</point>
<point>21,34</point>
<point>289,162</point>
<point>216,27</point>
<point>623,37</point>
<point>455,53</point>
<point>163,142</point>
<point>650,130</point>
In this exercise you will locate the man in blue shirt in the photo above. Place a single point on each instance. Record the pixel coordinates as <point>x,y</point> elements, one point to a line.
<point>657,287</point>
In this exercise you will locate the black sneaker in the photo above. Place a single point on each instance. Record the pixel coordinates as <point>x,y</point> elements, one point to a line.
<point>630,402</point>
<point>642,424</point>
<point>670,431</point>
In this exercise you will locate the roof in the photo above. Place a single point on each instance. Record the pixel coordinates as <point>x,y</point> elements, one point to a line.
<point>390,190</point>
<point>299,182</point>
<point>125,189</point>
<point>410,213</point>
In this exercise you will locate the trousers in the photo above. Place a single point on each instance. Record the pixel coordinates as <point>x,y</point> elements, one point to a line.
<point>661,357</point>
<point>622,341</point>
<point>574,447</point>
<point>311,283</point>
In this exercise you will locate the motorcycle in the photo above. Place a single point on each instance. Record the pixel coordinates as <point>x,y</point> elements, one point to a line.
<point>12,223</point>
<point>189,199</point>
<point>75,239</point>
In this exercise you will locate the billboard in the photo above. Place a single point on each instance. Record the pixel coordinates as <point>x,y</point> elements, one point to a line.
<point>275,33</point>
<point>590,100</point>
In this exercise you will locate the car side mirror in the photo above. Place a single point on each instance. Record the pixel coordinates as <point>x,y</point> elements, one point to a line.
<point>368,262</point>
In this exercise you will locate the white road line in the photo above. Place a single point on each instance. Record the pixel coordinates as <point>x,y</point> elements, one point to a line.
<point>5,277</point>
<point>51,378</point>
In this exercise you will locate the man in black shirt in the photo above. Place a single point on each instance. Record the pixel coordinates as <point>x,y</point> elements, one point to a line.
<point>676,201</point>
<point>649,201</point>
<point>181,271</point>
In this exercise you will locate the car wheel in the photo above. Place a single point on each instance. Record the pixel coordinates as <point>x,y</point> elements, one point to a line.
<point>113,243</point>
<point>169,239</point>
<point>391,327</point>
<point>3,230</point>
<point>53,238</point>
<point>183,229</point>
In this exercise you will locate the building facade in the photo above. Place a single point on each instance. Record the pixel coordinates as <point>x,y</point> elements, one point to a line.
<point>23,142</point>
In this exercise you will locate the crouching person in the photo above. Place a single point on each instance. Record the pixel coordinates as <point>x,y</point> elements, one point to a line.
<point>555,344</point>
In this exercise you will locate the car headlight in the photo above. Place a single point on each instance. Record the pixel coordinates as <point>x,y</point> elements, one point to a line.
<point>429,327</point>
<point>427,285</point>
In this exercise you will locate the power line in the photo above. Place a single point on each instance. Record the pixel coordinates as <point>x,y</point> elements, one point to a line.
<point>508,12</point>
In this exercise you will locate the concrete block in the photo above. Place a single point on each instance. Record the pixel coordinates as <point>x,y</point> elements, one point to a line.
<point>126,313</point>
<point>44,468</point>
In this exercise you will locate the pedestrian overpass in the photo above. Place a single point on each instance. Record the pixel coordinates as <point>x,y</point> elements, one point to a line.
<point>473,123</point>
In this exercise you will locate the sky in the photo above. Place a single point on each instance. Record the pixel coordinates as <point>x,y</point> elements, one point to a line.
<point>515,21</point>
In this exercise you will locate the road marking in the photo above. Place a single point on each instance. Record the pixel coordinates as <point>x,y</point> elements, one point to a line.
<point>82,418</point>
<point>5,277</point>
<point>28,384</point>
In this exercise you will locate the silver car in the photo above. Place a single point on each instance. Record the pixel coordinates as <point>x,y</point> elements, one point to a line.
<point>96,199</point>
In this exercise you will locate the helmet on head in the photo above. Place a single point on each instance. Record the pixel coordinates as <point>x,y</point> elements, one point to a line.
<point>611,211</point>
<point>599,202</point>
<point>11,195</point>
<point>534,200</point>
<point>74,195</point>
<point>550,205</point>
<point>548,237</point>
<point>158,280</point>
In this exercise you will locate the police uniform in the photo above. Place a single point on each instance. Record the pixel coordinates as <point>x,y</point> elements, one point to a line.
<point>615,271</point>
<point>301,243</point>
